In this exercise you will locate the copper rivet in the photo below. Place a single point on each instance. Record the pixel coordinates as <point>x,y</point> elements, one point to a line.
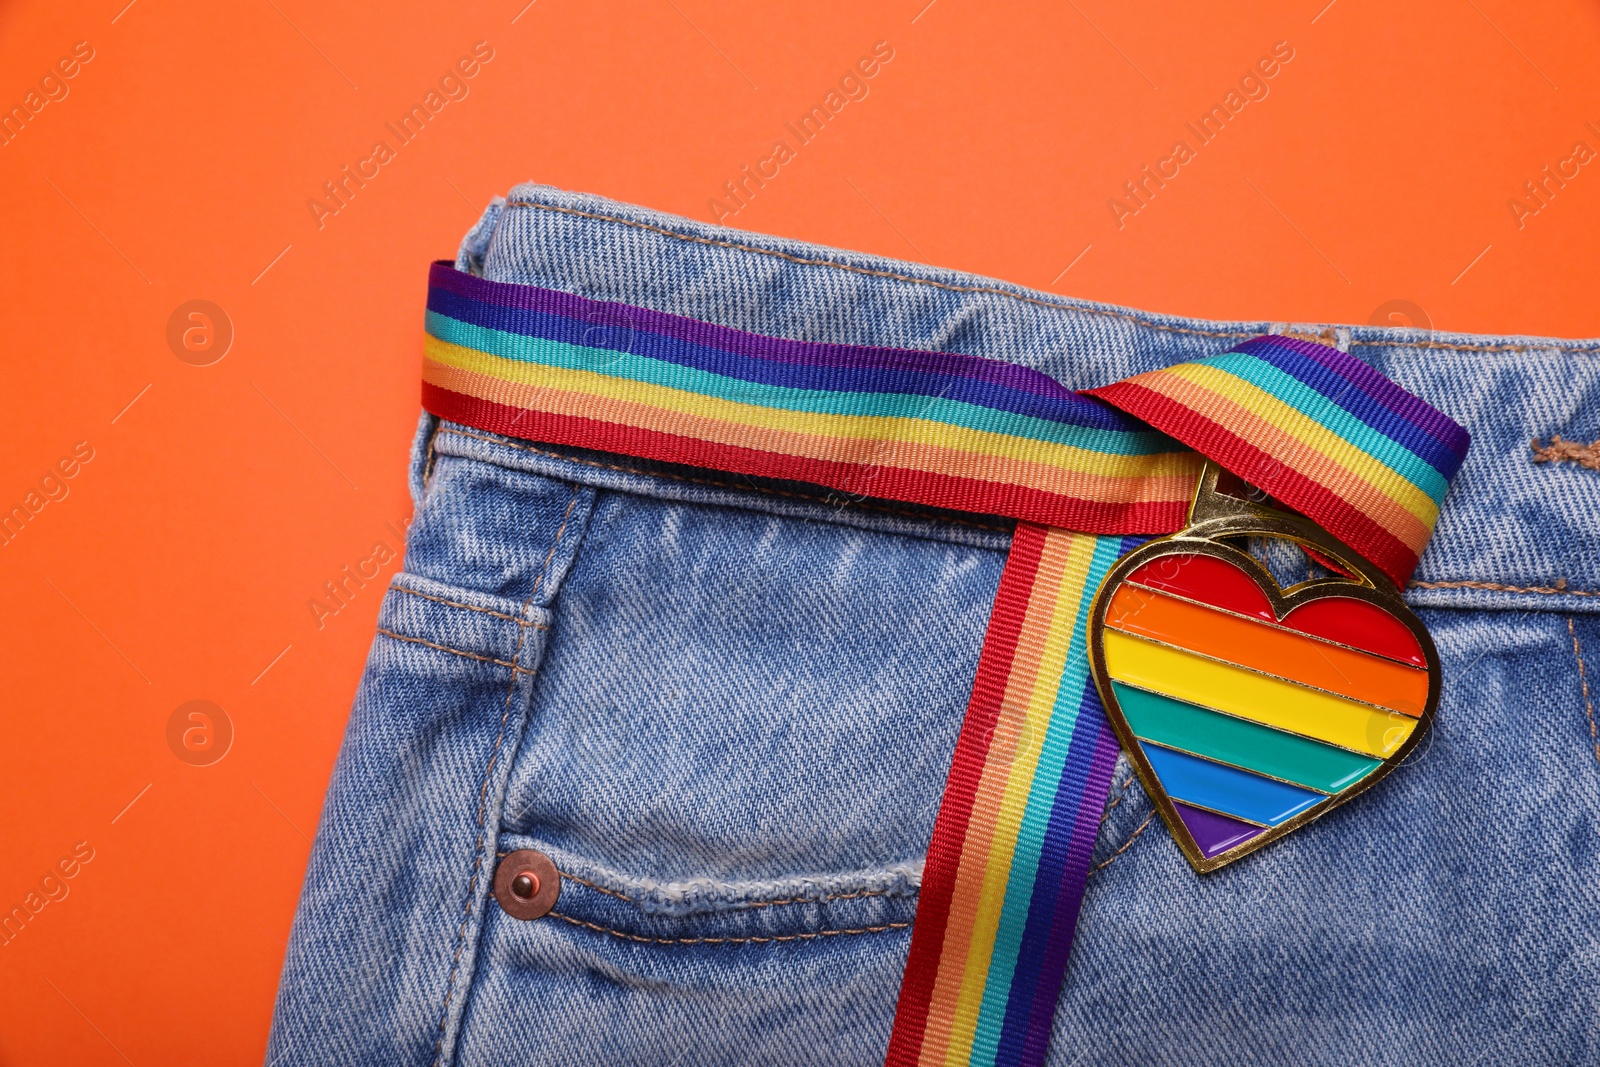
<point>526,884</point>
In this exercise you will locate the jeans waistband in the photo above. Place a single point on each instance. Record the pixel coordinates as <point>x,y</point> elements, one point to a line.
<point>1515,532</point>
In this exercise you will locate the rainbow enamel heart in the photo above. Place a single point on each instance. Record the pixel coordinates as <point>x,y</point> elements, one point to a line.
<point>1249,710</point>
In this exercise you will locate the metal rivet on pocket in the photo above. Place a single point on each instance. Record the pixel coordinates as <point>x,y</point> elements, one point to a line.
<point>526,884</point>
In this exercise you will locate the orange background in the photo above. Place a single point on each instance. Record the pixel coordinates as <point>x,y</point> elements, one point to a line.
<point>180,564</point>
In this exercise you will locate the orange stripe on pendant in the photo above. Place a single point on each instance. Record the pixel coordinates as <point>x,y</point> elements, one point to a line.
<point>1270,649</point>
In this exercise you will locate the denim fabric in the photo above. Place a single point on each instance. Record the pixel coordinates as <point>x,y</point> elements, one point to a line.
<point>725,708</point>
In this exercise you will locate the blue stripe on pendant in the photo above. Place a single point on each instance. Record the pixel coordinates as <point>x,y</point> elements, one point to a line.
<point>1228,790</point>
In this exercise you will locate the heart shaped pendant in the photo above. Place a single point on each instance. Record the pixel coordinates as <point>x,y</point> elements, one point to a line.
<point>1249,709</point>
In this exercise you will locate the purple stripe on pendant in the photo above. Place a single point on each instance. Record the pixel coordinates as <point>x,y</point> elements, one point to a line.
<point>1212,832</point>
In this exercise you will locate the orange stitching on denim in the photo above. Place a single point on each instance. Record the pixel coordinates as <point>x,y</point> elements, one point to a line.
<point>488,772</point>
<point>726,940</point>
<point>1131,839</point>
<point>1558,589</point>
<point>721,485</point>
<point>515,670</point>
<point>746,905</point>
<point>1559,451</point>
<point>996,290</point>
<point>470,607</point>
<point>597,888</point>
<point>1121,790</point>
<point>1326,337</point>
<point>1583,685</point>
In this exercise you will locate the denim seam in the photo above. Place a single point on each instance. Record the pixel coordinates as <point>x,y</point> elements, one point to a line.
<point>433,456</point>
<point>742,905</point>
<point>1559,589</point>
<point>1583,686</point>
<point>997,291</point>
<point>872,271</point>
<point>1121,792</point>
<point>905,514</point>
<point>488,773</point>
<point>726,940</point>
<point>515,668</point>
<point>469,607</point>
<point>1102,865</point>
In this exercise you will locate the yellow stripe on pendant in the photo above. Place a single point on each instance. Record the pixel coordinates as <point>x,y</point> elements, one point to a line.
<point>1261,698</point>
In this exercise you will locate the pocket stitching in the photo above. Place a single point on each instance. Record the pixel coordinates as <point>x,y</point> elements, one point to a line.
<point>743,906</point>
<point>488,772</point>
<point>1131,839</point>
<point>515,669</point>
<point>519,620</point>
<point>727,940</point>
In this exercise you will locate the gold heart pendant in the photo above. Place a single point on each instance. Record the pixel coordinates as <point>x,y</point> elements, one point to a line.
<point>1249,709</point>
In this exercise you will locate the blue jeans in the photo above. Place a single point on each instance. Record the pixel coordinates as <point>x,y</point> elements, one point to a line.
<point>725,707</point>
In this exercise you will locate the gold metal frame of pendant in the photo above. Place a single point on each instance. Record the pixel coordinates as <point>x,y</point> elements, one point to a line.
<point>1215,516</point>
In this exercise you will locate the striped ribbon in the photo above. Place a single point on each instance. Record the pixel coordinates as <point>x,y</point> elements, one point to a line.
<point>1318,429</point>
<point>1084,474</point>
<point>1021,809</point>
<point>941,429</point>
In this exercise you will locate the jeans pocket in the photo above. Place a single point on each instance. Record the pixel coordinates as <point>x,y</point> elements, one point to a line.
<point>382,951</point>
<point>405,842</point>
<point>735,750</point>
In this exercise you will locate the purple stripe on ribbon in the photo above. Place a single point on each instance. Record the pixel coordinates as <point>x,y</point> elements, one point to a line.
<point>1340,391</point>
<point>1069,900</point>
<point>810,353</point>
<point>1377,387</point>
<point>1058,887</point>
<point>910,378</point>
<point>1042,933</point>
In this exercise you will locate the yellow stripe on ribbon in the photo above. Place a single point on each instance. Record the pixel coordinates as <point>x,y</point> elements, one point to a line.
<point>898,441</point>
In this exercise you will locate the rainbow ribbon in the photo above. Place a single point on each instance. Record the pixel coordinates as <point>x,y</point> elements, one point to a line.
<point>1318,429</point>
<point>1021,809</point>
<point>947,430</point>
<point>1083,473</point>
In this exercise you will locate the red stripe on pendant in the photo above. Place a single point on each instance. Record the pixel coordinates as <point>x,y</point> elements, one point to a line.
<point>1208,580</point>
<point>1360,625</point>
<point>1221,584</point>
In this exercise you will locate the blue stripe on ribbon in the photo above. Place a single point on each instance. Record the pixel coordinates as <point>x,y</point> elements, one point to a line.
<point>1350,397</point>
<point>1042,840</point>
<point>643,365</point>
<point>1070,409</point>
<point>1331,416</point>
<point>1053,910</point>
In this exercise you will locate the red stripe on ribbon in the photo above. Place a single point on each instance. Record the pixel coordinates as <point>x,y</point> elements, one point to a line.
<point>1272,473</point>
<point>856,479</point>
<point>955,812</point>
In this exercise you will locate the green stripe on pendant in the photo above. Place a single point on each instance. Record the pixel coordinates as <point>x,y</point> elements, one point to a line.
<point>1249,745</point>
